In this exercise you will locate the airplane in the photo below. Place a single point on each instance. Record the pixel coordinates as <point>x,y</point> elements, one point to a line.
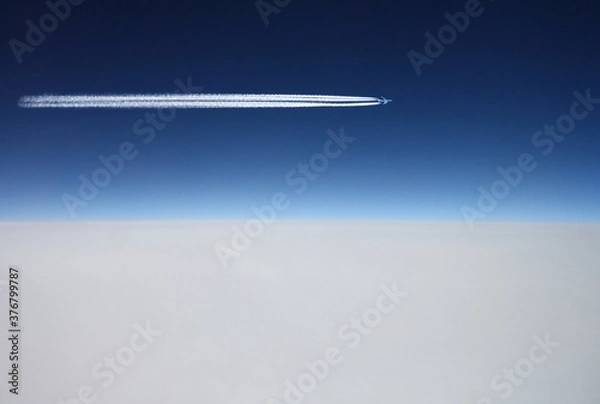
<point>383,100</point>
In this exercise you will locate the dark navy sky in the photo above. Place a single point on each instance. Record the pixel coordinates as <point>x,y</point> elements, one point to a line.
<point>422,157</point>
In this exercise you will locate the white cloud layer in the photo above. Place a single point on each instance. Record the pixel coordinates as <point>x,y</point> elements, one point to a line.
<point>473,307</point>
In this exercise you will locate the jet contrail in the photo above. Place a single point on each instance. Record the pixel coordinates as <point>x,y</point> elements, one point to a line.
<point>197,101</point>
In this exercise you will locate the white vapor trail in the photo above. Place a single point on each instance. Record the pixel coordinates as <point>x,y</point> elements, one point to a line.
<point>195,101</point>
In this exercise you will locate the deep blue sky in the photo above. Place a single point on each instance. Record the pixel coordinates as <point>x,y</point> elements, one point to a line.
<point>423,157</point>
